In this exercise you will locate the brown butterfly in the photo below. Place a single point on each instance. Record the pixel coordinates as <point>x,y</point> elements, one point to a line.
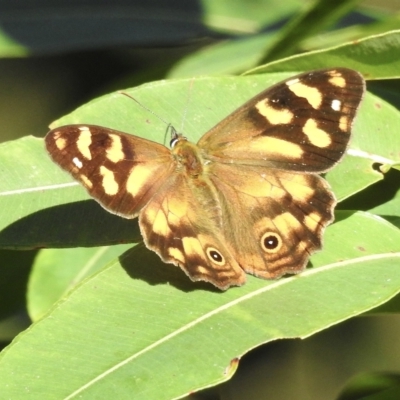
<point>247,198</point>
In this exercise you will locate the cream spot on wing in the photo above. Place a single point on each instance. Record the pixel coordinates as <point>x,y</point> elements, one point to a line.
<point>344,123</point>
<point>60,142</point>
<point>77,162</point>
<point>138,177</point>
<point>300,188</point>
<point>274,145</point>
<point>277,193</point>
<point>110,185</point>
<point>337,80</point>
<point>311,94</point>
<point>285,223</point>
<point>262,188</point>
<point>115,153</point>
<point>318,137</point>
<point>85,180</point>
<point>312,221</point>
<point>173,220</point>
<point>202,270</point>
<point>160,224</point>
<point>336,105</point>
<point>150,214</point>
<point>192,246</point>
<point>84,141</point>
<point>176,254</point>
<point>273,115</point>
<point>177,206</point>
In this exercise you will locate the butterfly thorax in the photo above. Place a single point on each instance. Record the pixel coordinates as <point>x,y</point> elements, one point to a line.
<point>188,157</point>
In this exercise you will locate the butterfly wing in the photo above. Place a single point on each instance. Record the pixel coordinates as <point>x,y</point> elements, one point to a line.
<point>183,224</point>
<point>119,170</point>
<point>302,124</point>
<point>272,222</point>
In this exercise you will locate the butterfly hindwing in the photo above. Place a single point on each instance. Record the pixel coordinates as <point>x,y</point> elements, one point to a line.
<point>286,215</point>
<point>172,226</point>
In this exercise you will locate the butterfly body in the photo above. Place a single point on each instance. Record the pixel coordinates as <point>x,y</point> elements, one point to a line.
<point>247,198</point>
<point>189,157</point>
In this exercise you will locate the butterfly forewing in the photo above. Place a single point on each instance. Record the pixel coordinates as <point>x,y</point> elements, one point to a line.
<point>118,170</point>
<point>302,124</point>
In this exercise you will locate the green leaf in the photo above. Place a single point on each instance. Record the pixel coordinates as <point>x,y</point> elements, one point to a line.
<point>361,55</point>
<point>352,32</point>
<point>57,271</point>
<point>228,57</point>
<point>318,16</point>
<point>119,326</point>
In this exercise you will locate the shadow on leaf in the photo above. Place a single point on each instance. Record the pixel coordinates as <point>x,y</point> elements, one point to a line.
<point>141,263</point>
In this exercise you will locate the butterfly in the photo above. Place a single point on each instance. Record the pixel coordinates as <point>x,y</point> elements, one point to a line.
<point>247,198</point>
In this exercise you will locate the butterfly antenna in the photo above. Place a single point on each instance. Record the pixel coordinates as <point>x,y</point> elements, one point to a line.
<point>172,133</point>
<point>146,108</point>
<point>189,97</point>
